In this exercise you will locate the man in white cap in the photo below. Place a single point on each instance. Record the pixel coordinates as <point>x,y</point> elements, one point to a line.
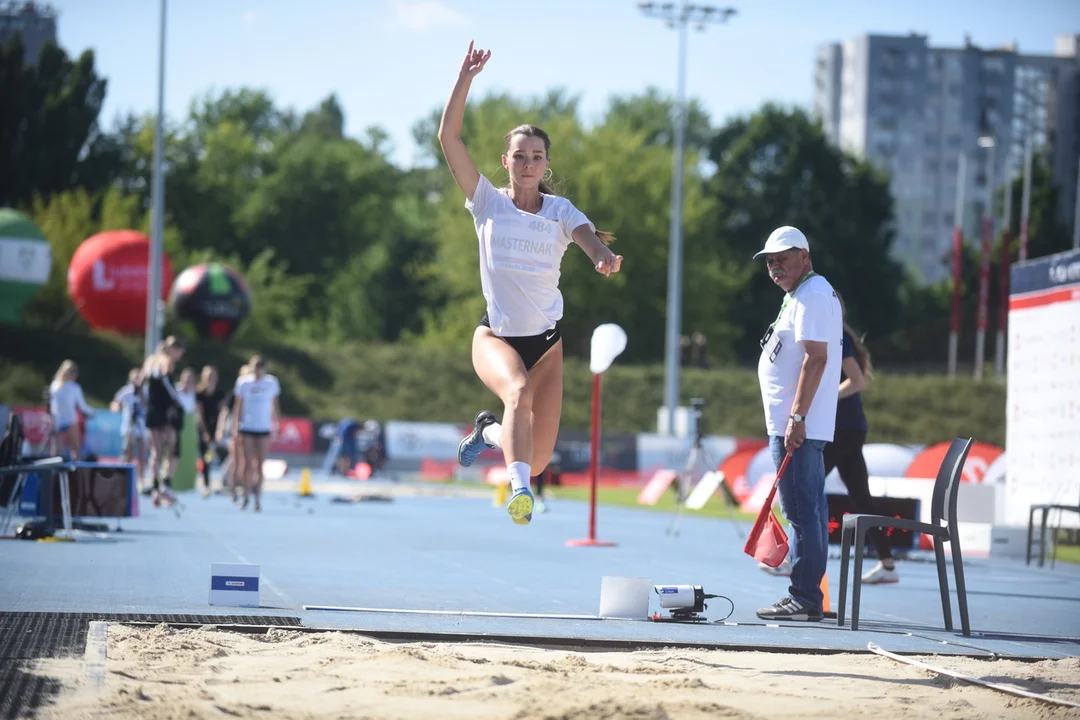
<point>799,373</point>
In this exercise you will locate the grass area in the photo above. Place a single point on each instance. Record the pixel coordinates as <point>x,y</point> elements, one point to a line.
<point>1068,553</point>
<point>433,384</point>
<point>627,497</point>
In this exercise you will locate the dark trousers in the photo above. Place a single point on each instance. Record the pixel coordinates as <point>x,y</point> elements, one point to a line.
<point>204,448</point>
<point>538,483</point>
<point>845,454</point>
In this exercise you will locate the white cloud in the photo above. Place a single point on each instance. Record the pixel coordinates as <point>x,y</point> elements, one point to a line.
<point>425,14</point>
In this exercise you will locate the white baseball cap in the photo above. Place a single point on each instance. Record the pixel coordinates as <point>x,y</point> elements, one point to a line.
<point>784,238</point>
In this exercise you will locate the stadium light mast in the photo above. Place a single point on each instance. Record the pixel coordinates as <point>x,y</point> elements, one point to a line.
<point>678,16</point>
<point>157,193</point>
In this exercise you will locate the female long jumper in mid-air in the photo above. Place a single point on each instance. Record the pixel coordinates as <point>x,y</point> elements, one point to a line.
<point>523,231</point>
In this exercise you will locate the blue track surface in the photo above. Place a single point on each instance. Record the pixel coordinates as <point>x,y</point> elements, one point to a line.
<point>462,554</point>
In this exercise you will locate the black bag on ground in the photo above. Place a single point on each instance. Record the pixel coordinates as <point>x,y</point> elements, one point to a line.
<point>10,454</point>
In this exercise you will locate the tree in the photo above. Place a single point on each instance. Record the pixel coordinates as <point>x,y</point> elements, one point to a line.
<point>1046,235</point>
<point>654,114</point>
<point>243,177</point>
<point>777,168</point>
<point>49,138</point>
<point>321,203</point>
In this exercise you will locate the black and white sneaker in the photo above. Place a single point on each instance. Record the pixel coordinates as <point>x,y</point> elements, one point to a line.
<point>790,609</point>
<point>470,448</point>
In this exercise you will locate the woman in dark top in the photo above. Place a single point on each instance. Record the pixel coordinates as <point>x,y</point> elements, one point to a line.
<point>208,398</point>
<point>162,402</point>
<point>845,451</point>
<point>232,466</point>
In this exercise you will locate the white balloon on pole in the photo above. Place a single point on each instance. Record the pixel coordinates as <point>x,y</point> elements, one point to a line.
<point>608,342</point>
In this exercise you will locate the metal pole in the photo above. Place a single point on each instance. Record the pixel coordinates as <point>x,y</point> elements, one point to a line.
<point>157,191</point>
<point>674,280</point>
<point>1076,208</point>
<point>1003,285</point>
<point>1025,202</point>
<point>957,259</point>
<point>678,16</point>
<point>594,453</point>
<point>984,268</point>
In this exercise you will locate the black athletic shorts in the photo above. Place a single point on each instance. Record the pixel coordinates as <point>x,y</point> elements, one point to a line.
<point>255,433</point>
<point>531,347</point>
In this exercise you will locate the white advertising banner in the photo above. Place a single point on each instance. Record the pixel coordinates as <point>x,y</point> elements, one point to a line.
<point>419,440</point>
<point>1042,436</point>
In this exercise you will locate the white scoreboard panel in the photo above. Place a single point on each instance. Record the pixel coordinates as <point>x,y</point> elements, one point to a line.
<point>1042,435</point>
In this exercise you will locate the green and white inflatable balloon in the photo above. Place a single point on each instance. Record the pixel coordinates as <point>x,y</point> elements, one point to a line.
<point>25,263</point>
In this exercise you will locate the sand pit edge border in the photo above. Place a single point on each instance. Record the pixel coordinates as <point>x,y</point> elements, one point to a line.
<point>542,641</point>
<point>97,650</point>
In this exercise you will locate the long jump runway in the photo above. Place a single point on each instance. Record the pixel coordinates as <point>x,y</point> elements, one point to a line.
<point>421,567</point>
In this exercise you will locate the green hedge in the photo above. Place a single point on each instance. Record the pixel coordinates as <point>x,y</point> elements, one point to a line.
<point>423,383</point>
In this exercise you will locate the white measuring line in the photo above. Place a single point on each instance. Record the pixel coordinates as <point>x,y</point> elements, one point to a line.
<point>97,645</point>
<point>467,613</point>
<point>967,678</point>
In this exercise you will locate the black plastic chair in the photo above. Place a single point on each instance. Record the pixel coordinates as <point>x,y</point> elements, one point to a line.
<point>942,527</point>
<point>1045,511</point>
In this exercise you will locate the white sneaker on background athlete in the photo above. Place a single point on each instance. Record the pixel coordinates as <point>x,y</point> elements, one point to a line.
<point>783,570</point>
<point>881,575</point>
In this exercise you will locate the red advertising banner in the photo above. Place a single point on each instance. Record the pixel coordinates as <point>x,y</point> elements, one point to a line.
<point>36,423</point>
<point>296,436</point>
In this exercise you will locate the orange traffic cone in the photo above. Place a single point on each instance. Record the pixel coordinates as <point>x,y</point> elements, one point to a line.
<point>826,607</point>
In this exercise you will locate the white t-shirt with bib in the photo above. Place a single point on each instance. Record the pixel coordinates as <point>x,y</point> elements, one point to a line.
<point>257,409</point>
<point>132,410</point>
<point>813,313</point>
<point>520,255</point>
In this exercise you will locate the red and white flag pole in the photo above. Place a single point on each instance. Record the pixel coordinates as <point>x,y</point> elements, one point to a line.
<point>608,341</point>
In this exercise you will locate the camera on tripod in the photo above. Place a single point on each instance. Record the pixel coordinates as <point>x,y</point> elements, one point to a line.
<point>693,419</point>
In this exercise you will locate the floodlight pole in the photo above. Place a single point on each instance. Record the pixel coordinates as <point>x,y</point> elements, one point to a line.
<point>990,143</point>
<point>157,192</point>
<point>678,15</point>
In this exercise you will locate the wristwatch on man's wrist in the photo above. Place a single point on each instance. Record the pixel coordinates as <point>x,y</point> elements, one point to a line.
<point>797,417</point>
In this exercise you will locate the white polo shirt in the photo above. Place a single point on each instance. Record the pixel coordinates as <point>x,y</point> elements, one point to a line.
<point>520,257</point>
<point>812,313</point>
<point>257,409</point>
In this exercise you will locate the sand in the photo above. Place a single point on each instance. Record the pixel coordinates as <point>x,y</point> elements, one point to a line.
<point>162,673</point>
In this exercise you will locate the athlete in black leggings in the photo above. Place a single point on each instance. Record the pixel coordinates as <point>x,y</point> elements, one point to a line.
<point>845,451</point>
<point>162,404</point>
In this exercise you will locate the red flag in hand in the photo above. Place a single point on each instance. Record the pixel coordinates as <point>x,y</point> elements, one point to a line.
<point>768,543</point>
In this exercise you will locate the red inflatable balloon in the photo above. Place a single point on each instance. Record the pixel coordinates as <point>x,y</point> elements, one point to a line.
<point>107,280</point>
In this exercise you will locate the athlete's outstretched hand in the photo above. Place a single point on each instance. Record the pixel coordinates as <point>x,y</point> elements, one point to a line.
<point>609,265</point>
<point>474,62</point>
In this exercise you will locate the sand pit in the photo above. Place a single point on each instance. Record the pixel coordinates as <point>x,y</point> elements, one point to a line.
<point>159,673</point>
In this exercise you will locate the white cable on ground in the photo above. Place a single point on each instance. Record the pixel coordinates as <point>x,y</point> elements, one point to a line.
<point>967,678</point>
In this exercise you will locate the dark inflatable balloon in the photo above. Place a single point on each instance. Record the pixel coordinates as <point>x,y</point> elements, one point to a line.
<point>213,297</point>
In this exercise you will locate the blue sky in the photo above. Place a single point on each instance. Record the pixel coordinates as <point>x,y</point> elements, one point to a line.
<point>392,62</point>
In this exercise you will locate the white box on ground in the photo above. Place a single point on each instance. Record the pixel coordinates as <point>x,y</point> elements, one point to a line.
<point>1009,541</point>
<point>625,598</point>
<point>976,539</point>
<point>235,584</point>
